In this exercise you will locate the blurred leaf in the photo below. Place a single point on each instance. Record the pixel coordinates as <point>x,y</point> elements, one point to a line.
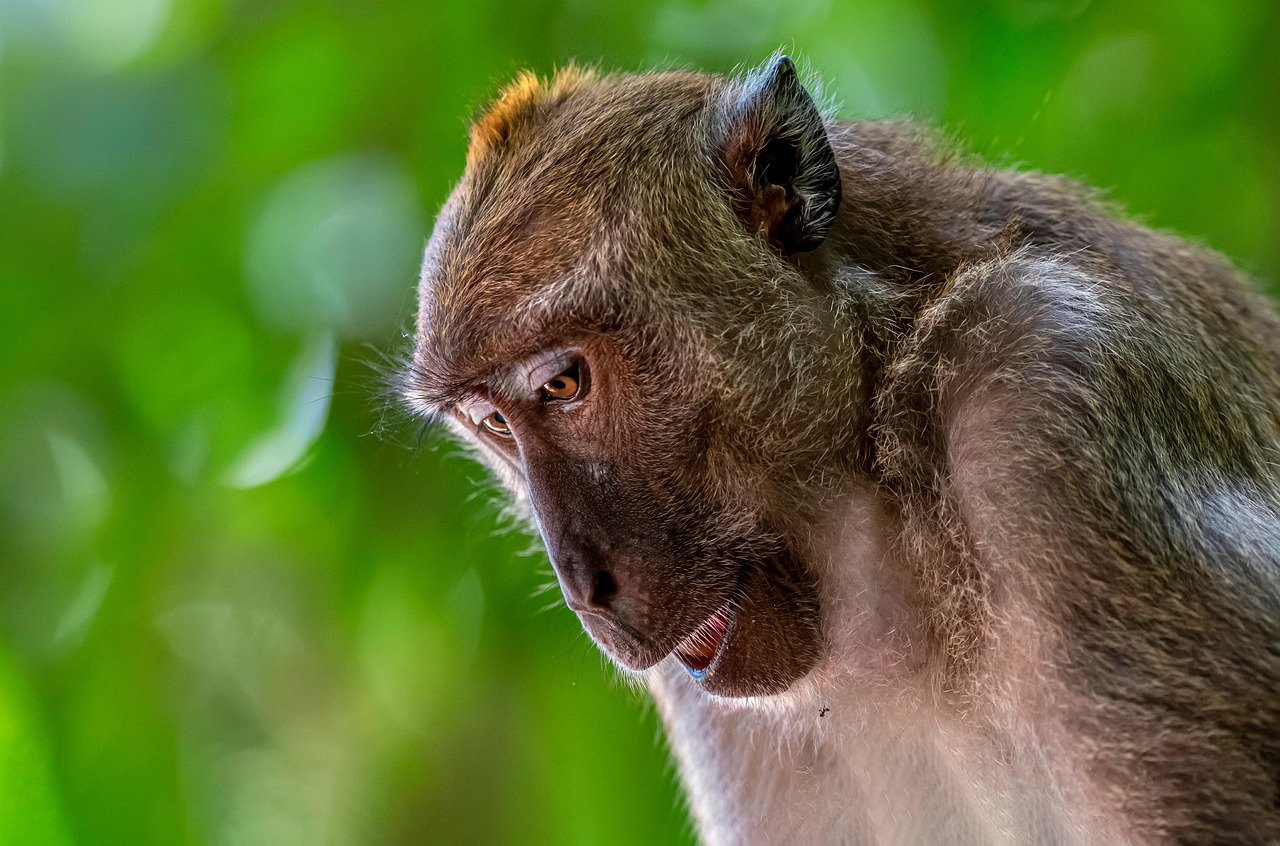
<point>304,408</point>
<point>30,806</point>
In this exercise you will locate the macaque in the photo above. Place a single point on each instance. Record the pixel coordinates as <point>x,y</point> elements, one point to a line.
<point>934,503</point>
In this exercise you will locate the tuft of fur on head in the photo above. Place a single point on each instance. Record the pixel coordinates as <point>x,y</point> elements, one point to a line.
<point>518,103</point>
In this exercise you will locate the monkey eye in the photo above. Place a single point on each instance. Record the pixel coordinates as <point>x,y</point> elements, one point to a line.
<point>497,424</point>
<point>565,385</point>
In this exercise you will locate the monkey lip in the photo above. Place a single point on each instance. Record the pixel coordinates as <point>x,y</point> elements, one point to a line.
<point>699,650</point>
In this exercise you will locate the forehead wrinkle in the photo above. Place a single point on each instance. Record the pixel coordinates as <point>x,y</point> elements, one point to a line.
<point>513,272</point>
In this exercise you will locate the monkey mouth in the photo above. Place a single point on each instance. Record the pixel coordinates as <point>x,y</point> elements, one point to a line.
<point>698,651</point>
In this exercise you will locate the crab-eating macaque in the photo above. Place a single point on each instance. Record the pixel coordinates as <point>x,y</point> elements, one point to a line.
<point>935,503</point>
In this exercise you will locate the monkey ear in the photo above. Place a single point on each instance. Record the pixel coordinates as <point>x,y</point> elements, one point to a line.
<point>780,163</point>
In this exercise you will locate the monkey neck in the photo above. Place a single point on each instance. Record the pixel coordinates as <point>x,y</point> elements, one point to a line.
<point>913,215</point>
<point>914,211</point>
<point>907,215</point>
<point>869,743</point>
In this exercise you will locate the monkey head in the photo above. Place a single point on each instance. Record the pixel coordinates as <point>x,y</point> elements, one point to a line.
<point>622,306</point>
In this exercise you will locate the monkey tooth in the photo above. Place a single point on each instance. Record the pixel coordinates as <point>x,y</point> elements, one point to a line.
<point>699,650</point>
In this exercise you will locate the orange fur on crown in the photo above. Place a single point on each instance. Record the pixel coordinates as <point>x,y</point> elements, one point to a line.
<point>516,102</point>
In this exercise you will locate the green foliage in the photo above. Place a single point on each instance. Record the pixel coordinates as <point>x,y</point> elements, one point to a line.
<point>230,612</point>
<point>30,807</point>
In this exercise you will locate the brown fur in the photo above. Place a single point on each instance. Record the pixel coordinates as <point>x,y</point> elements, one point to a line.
<point>988,475</point>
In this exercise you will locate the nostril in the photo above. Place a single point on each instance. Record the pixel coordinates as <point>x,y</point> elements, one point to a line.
<point>603,588</point>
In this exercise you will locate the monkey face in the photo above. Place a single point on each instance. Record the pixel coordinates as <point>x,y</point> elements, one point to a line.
<point>610,307</point>
<point>650,548</point>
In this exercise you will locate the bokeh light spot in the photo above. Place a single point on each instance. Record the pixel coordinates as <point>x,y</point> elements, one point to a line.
<point>1111,80</point>
<point>108,33</point>
<point>99,35</point>
<point>84,490</point>
<point>54,491</point>
<point>75,621</point>
<point>304,407</point>
<point>336,246</point>
<point>465,602</point>
<point>245,650</point>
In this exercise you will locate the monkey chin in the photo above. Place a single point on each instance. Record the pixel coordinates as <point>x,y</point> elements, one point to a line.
<point>771,640</point>
<point>760,642</point>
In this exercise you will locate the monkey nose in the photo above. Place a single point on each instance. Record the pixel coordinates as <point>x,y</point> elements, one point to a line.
<point>589,591</point>
<point>603,589</point>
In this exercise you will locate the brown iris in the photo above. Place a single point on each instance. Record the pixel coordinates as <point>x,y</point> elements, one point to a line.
<point>496,423</point>
<point>564,386</point>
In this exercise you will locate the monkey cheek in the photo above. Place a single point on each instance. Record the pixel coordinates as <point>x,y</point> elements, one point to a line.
<point>765,660</point>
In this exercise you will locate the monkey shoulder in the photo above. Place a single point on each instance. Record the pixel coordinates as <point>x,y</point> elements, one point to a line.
<point>1122,367</point>
<point>1102,424</point>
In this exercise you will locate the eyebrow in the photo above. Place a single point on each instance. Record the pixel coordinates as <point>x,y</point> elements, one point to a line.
<point>428,389</point>
<point>429,394</point>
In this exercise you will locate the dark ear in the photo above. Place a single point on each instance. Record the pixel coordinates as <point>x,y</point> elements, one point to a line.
<point>780,163</point>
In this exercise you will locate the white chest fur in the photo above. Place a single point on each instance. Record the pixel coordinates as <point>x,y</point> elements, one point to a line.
<point>860,751</point>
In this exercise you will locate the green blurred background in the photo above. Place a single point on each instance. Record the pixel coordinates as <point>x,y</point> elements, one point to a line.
<point>241,605</point>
